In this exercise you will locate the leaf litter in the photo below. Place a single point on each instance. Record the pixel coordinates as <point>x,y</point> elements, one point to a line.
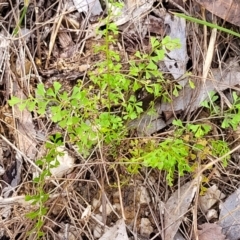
<point>229,218</point>
<point>176,207</point>
<point>210,231</point>
<point>84,182</point>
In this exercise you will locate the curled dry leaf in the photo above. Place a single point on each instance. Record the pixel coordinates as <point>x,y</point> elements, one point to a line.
<point>65,163</point>
<point>210,231</point>
<point>133,21</point>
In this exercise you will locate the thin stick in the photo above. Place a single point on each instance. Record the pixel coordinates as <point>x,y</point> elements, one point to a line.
<point>209,55</point>
<point>120,194</point>
<point>56,26</point>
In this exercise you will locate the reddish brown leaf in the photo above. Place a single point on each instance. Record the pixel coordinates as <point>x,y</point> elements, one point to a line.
<point>210,231</point>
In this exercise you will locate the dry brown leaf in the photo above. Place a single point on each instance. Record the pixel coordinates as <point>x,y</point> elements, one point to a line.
<point>229,218</point>
<point>176,60</point>
<point>210,231</point>
<point>65,39</point>
<point>155,25</point>
<point>25,129</point>
<point>83,68</point>
<point>228,10</point>
<point>176,206</point>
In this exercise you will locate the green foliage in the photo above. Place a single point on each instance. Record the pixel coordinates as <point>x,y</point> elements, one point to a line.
<point>40,196</point>
<point>211,103</point>
<point>199,130</point>
<point>231,116</point>
<point>219,149</point>
<point>196,136</point>
<point>176,153</point>
<point>22,16</point>
<point>82,112</point>
<point>98,111</point>
<point>88,113</point>
<point>168,155</point>
<point>211,25</point>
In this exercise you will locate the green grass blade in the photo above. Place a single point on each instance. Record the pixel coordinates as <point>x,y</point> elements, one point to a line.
<point>211,25</point>
<point>16,29</point>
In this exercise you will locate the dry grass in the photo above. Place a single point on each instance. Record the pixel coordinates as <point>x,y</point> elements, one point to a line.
<point>29,59</point>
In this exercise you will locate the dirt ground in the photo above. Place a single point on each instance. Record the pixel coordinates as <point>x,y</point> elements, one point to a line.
<point>55,42</point>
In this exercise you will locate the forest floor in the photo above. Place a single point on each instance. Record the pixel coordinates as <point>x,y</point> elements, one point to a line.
<point>120,170</point>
